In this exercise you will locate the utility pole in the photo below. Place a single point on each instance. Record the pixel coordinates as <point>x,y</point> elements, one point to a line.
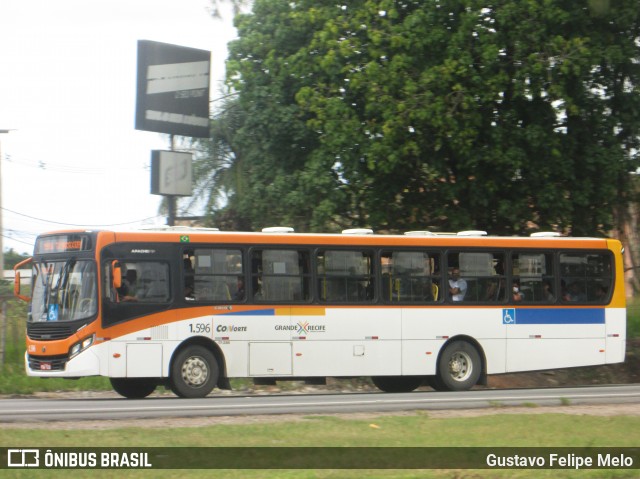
<point>1,228</point>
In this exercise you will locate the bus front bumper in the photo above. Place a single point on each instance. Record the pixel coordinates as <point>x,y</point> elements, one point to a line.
<point>84,364</point>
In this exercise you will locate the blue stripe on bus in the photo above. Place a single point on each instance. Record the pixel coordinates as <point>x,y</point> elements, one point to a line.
<point>560,316</point>
<point>522,316</point>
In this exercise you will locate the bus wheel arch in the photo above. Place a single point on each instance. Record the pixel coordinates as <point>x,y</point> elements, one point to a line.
<point>461,365</point>
<point>196,367</point>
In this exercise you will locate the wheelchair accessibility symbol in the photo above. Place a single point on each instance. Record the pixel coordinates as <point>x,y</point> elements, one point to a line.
<point>52,314</point>
<point>508,316</point>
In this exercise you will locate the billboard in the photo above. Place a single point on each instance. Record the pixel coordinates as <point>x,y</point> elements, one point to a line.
<point>170,173</point>
<point>173,89</point>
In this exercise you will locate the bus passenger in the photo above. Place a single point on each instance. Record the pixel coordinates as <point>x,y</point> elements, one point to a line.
<point>574,293</point>
<point>127,292</point>
<point>601,294</point>
<point>517,294</point>
<point>457,285</point>
<point>239,294</point>
<point>189,279</point>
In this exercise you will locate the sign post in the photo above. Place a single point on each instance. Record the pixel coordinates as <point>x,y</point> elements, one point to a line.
<point>171,176</point>
<point>173,89</point>
<point>172,98</point>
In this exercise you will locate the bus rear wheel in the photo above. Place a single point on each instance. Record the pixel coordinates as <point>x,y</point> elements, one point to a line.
<point>397,384</point>
<point>133,388</point>
<point>459,367</point>
<point>194,372</point>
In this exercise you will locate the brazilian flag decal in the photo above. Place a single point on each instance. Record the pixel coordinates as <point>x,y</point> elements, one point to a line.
<point>184,238</point>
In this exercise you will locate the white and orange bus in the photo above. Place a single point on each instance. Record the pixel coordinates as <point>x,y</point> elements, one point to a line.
<point>190,309</point>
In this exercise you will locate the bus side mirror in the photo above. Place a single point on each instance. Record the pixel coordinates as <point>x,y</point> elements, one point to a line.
<point>16,281</point>
<point>116,274</point>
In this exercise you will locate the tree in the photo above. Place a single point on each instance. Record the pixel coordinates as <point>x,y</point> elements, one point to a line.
<point>447,114</point>
<point>12,258</point>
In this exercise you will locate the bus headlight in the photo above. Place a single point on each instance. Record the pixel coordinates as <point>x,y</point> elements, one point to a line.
<point>80,346</point>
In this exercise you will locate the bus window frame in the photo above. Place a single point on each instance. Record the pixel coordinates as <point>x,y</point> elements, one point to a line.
<point>252,292</point>
<point>114,312</point>
<point>192,247</point>
<point>555,276</point>
<point>586,302</point>
<point>436,279</point>
<point>505,252</point>
<point>374,274</point>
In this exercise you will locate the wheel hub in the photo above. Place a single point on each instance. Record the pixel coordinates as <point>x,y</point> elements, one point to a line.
<point>460,366</point>
<point>195,372</point>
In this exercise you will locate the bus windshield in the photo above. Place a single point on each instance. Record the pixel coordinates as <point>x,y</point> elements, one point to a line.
<point>63,290</point>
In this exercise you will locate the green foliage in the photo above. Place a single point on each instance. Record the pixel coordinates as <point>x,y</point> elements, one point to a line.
<point>449,114</point>
<point>13,379</point>
<point>633,319</point>
<point>12,257</point>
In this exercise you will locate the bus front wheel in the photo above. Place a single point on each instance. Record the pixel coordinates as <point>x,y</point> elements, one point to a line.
<point>194,372</point>
<point>459,367</point>
<point>133,388</point>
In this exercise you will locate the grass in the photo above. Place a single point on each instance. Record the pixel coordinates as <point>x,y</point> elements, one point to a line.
<point>419,430</point>
<point>495,430</point>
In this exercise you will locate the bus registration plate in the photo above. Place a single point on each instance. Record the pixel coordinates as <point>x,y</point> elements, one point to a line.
<point>45,366</point>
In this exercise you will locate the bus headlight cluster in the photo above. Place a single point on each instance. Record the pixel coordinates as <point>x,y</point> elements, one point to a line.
<point>80,346</point>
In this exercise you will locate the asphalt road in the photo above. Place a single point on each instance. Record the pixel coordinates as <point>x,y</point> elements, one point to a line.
<point>14,410</point>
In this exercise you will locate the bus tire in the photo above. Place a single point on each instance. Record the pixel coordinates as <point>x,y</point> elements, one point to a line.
<point>194,372</point>
<point>435,383</point>
<point>397,384</point>
<point>459,367</point>
<point>133,388</point>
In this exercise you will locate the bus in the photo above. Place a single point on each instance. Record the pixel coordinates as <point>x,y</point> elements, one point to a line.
<point>190,309</point>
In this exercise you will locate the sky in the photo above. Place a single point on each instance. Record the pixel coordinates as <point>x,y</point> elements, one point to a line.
<point>68,92</point>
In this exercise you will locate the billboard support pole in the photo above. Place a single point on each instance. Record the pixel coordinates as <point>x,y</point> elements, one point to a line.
<point>171,199</point>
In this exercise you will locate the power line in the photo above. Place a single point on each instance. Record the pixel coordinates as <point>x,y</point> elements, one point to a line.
<point>12,238</point>
<point>81,225</point>
<point>45,166</point>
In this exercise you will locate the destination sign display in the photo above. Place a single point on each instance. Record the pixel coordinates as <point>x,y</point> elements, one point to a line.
<point>63,243</point>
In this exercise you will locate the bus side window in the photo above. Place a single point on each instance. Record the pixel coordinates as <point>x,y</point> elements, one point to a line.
<point>533,276</point>
<point>142,282</point>
<point>410,276</point>
<point>475,276</point>
<point>586,277</point>
<point>280,275</point>
<point>345,276</point>
<point>213,275</point>
<point>154,282</point>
